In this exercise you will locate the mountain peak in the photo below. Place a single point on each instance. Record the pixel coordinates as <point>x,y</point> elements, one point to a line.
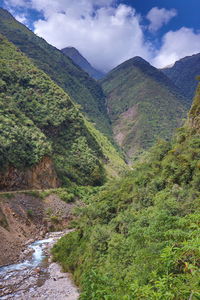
<point>148,70</point>
<point>138,59</point>
<point>82,62</point>
<point>70,50</point>
<point>183,74</point>
<point>135,61</point>
<point>143,105</point>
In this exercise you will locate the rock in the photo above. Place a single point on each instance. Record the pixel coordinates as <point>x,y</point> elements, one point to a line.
<point>45,281</point>
<point>42,233</point>
<point>29,242</point>
<point>37,270</point>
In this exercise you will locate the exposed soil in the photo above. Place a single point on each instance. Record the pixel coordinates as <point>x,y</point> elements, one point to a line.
<point>24,218</point>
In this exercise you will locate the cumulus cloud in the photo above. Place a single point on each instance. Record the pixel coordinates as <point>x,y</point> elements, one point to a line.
<point>17,3</point>
<point>21,18</point>
<point>159,17</point>
<point>106,33</point>
<point>106,36</point>
<point>176,45</point>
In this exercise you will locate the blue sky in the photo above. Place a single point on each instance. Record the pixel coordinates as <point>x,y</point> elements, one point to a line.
<point>189,10</point>
<point>107,32</point>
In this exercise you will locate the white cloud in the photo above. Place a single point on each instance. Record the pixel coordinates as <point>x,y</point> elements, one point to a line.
<point>16,3</point>
<point>176,45</point>
<point>159,17</point>
<point>106,37</point>
<point>107,34</point>
<point>21,18</point>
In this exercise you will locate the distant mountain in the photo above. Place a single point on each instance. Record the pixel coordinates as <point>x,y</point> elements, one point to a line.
<point>183,74</point>
<point>82,62</point>
<point>143,105</point>
<point>45,141</point>
<point>83,89</point>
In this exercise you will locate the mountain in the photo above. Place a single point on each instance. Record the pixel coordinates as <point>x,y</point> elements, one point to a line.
<point>45,141</point>
<point>78,59</point>
<point>183,73</point>
<point>143,105</point>
<point>138,238</point>
<point>77,83</point>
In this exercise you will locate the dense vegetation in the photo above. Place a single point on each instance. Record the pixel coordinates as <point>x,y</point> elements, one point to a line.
<point>78,59</point>
<point>38,119</point>
<point>183,74</point>
<point>143,105</point>
<point>78,84</point>
<point>138,238</point>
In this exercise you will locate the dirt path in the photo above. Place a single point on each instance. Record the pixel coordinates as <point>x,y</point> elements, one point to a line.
<point>24,191</point>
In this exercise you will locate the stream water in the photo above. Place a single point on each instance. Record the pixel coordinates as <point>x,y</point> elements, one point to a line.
<point>25,280</point>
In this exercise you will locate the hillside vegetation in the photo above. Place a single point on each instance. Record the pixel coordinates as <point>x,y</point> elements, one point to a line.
<point>138,238</point>
<point>77,83</point>
<point>184,73</point>
<point>39,119</point>
<point>143,105</point>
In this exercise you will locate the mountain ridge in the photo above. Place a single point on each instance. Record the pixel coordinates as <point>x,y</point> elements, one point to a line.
<point>82,62</point>
<point>84,90</point>
<point>143,104</point>
<point>183,74</point>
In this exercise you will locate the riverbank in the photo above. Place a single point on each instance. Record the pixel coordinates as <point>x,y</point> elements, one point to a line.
<point>25,217</point>
<point>37,277</point>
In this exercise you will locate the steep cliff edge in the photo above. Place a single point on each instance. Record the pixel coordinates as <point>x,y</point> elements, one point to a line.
<point>40,176</point>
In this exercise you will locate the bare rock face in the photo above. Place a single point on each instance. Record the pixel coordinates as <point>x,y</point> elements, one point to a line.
<point>25,217</point>
<point>16,227</point>
<point>41,176</point>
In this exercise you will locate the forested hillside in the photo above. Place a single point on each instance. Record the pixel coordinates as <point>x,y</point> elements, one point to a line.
<point>139,237</point>
<point>77,83</point>
<point>143,105</point>
<point>38,119</point>
<point>183,74</point>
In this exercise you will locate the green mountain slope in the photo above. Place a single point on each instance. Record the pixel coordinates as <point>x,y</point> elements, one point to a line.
<point>78,59</point>
<point>184,73</point>
<point>143,105</point>
<point>139,237</point>
<point>39,119</point>
<point>81,88</point>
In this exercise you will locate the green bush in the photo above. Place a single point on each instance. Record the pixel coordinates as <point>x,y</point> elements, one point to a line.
<point>138,237</point>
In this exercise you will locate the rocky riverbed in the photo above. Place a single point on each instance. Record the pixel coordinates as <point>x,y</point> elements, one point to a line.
<point>36,276</point>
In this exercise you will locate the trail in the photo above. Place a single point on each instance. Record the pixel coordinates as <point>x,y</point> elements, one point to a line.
<point>25,191</point>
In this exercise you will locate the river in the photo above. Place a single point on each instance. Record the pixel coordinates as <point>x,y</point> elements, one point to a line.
<point>36,277</point>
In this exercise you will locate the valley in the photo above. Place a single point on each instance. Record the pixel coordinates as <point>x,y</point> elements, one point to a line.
<point>99,171</point>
